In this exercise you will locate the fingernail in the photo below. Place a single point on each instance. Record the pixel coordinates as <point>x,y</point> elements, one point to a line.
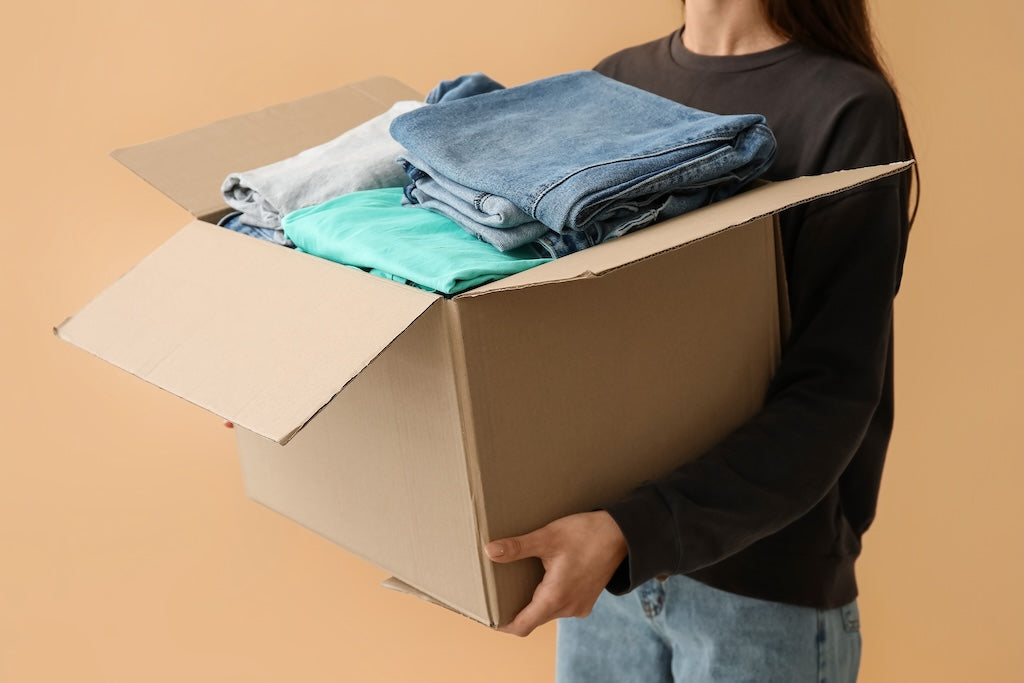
<point>494,550</point>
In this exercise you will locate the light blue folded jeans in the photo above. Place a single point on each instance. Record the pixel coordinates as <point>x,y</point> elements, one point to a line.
<point>682,631</point>
<point>497,221</point>
<point>579,152</point>
<point>235,221</point>
<point>466,85</point>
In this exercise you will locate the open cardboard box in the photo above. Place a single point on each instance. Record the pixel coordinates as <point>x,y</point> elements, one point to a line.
<point>410,428</point>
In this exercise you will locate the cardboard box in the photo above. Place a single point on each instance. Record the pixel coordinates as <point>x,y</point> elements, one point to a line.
<point>410,428</point>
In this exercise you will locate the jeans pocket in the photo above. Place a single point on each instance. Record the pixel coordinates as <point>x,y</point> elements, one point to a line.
<point>851,618</point>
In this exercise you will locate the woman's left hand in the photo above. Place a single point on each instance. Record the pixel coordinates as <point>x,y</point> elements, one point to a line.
<point>579,553</point>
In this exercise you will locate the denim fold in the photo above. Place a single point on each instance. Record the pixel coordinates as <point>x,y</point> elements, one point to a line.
<point>466,85</point>
<point>587,157</point>
<point>235,221</point>
<point>492,219</point>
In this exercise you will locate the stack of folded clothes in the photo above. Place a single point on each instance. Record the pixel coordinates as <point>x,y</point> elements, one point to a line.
<point>502,179</point>
<point>574,160</point>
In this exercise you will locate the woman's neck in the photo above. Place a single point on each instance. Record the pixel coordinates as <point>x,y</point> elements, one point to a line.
<point>728,27</point>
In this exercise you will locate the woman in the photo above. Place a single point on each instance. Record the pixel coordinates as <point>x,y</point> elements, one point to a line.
<point>740,565</point>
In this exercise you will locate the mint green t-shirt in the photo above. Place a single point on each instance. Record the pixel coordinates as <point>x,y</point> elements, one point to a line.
<point>374,231</point>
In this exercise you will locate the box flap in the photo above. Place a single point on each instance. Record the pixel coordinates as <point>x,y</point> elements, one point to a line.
<point>190,167</point>
<point>399,586</point>
<point>759,201</point>
<point>259,334</point>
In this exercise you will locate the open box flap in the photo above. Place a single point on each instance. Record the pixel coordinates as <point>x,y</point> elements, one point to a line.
<point>755,203</point>
<point>190,167</point>
<point>256,333</point>
<point>399,586</point>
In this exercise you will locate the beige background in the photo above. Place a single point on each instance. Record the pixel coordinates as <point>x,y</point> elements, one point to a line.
<point>129,552</point>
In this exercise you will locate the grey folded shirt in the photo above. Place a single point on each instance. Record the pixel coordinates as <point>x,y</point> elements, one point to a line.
<point>362,158</point>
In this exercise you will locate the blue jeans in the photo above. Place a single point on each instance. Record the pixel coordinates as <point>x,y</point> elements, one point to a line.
<point>236,221</point>
<point>504,231</point>
<point>580,152</point>
<point>682,631</point>
<point>466,85</point>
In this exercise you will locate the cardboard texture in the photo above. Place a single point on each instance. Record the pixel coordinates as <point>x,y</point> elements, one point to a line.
<point>410,428</point>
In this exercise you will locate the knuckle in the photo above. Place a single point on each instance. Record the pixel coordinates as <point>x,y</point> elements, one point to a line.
<point>552,607</point>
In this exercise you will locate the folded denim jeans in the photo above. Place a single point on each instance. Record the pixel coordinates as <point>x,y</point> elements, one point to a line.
<point>233,221</point>
<point>362,158</point>
<point>577,152</point>
<point>463,86</point>
<point>499,222</point>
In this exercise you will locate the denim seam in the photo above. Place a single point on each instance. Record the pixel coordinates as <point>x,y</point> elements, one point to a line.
<point>637,157</point>
<point>660,181</point>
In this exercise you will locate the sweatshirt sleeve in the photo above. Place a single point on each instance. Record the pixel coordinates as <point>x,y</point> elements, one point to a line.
<point>843,267</point>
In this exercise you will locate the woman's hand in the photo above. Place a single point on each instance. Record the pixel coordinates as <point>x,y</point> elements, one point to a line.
<point>579,552</point>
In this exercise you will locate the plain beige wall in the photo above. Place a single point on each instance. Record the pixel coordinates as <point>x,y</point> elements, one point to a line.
<point>129,552</point>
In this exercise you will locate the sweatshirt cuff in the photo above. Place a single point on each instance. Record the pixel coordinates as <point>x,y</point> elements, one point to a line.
<point>651,539</point>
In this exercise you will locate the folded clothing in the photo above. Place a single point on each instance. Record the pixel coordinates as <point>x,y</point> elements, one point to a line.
<point>505,226</point>
<point>233,221</point>
<point>373,230</point>
<point>362,158</point>
<point>575,152</point>
<point>466,85</point>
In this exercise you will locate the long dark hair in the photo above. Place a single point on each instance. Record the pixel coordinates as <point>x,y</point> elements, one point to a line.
<point>841,27</point>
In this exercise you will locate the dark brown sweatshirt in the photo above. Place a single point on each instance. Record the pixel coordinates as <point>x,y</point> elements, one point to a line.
<point>777,509</point>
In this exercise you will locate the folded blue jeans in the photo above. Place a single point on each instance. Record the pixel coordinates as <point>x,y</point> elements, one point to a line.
<point>504,226</point>
<point>682,631</point>
<point>579,152</point>
<point>235,221</point>
<point>463,86</point>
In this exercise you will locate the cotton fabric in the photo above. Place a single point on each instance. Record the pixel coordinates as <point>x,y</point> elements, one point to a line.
<point>373,230</point>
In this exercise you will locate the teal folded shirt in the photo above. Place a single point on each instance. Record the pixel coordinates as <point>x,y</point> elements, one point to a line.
<point>374,231</point>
